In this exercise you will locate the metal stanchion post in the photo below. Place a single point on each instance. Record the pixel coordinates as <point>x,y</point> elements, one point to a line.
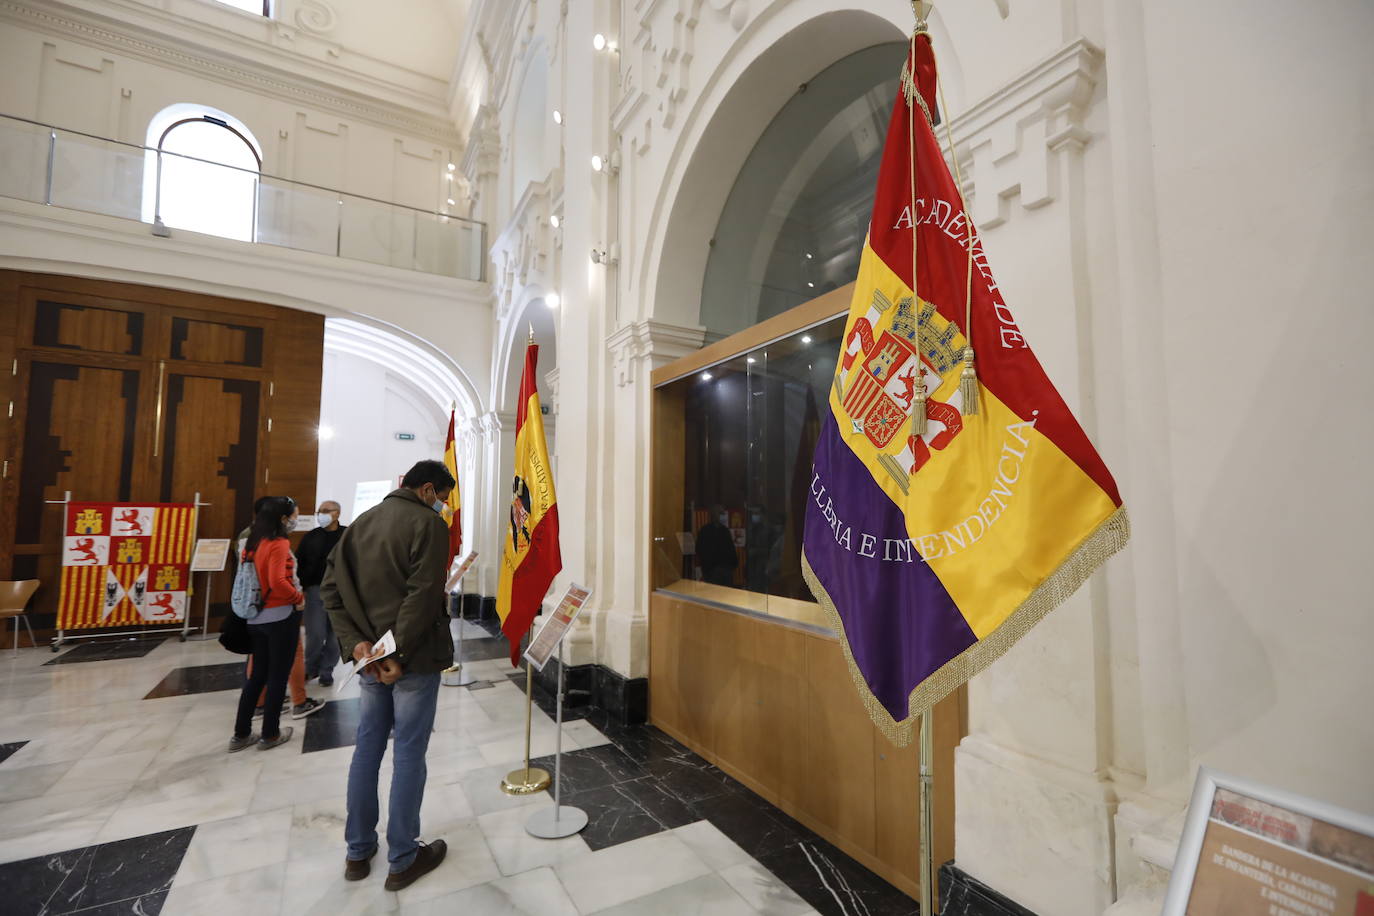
<point>558,821</point>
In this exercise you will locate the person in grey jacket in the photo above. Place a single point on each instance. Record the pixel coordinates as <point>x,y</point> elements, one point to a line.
<point>388,573</point>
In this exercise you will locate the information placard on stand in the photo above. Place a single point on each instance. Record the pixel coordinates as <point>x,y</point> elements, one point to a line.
<point>1247,848</point>
<point>210,555</point>
<point>551,633</point>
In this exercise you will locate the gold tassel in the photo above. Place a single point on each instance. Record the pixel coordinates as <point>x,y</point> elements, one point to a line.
<point>968,385</point>
<point>918,410</point>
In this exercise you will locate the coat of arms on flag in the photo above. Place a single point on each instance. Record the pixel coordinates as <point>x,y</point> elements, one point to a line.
<point>951,506</point>
<point>125,564</point>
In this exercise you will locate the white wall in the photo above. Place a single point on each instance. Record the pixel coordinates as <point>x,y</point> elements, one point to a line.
<point>366,405</point>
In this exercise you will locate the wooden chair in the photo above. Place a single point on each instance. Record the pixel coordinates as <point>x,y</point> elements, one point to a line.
<point>14,602</point>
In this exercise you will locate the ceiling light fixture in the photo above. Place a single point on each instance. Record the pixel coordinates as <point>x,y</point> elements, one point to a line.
<point>706,376</point>
<point>806,338</point>
<point>597,163</point>
<point>599,41</point>
<point>554,221</point>
<point>451,166</point>
<point>553,300</point>
<point>557,116</point>
<point>450,201</point>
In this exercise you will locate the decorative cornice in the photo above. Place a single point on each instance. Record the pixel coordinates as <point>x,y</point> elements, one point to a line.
<point>655,342</point>
<point>285,75</point>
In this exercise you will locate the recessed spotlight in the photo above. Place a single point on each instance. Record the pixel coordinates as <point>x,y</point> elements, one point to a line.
<point>599,41</point>
<point>706,376</point>
<point>806,338</point>
<point>810,284</point>
<point>809,256</point>
<point>598,163</point>
<point>553,300</point>
<point>451,166</point>
<point>557,116</point>
<point>554,221</point>
<point>750,360</point>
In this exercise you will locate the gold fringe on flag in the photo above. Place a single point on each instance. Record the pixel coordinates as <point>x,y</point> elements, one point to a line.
<point>1108,538</point>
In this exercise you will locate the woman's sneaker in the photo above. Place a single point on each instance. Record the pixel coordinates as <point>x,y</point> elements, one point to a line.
<point>309,707</point>
<point>265,745</point>
<point>237,744</point>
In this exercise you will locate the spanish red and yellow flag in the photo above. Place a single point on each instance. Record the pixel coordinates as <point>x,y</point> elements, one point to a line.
<point>453,509</point>
<point>531,558</point>
<point>954,501</point>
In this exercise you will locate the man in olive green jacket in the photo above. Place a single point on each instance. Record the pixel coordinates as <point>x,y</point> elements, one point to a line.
<point>387,573</point>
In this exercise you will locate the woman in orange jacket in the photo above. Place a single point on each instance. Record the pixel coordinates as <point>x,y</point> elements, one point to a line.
<point>275,630</point>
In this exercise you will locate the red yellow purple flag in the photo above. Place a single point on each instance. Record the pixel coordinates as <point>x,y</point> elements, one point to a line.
<point>531,557</point>
<point>453,508</point>
<point>935,549</point>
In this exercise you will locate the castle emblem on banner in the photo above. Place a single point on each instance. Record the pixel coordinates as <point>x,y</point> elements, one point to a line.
<point>877,379</point>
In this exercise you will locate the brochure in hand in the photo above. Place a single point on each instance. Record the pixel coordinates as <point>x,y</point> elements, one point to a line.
<point>380,650</point>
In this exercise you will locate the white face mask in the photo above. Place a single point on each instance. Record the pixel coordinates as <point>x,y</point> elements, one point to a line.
<point>325,519</point>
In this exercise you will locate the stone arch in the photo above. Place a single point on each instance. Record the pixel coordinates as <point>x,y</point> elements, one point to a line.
<point>754,79</point>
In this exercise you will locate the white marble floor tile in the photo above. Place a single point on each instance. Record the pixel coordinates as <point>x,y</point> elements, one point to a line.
<point>628,871</point>
<point>505,750</point>
<point>117,771</point>
<point>284,793</point>
<point>534,893</point>
<point>716,849</point>
<point>315,886</point>
<point>467,864</point>
<point>704,896</point>
<point>47,824</point>
<point>235,845</point>
<point>318,827</point>
<point>584,733</point>
<point>137,818</point>
<point>18,783</point>
<point>764,892</point>
<point>257,892</point>
<point>516,851</point>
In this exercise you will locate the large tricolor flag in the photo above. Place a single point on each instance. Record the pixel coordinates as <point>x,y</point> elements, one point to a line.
<point>453,509</point>
<point>531,558</point>
<point>935,550</point>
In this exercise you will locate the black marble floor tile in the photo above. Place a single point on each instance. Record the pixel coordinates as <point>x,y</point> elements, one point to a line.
<point>755,826</point>
<point>334,726</point>
<point>691,778</point>
<point>106,651</point>
<point>593,768</point>
<point>832,882</point>
<point>627,811</point>
<point>199,679</point>
<point>963,895</point>
<point>547,701</point>
<point>7,750</point>
<point>117,877</point>
<point>147,905</point>
<point>642,743</point>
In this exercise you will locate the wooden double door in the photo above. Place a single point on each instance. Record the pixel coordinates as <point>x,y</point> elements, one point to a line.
<point>129,394</point>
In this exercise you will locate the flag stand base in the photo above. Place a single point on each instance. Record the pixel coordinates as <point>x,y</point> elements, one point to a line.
<point>525,781</point>
<point>457,677</point>
<point>561,820</point>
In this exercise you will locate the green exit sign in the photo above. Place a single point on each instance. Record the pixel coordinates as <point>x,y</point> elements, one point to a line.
<point>405,437</point>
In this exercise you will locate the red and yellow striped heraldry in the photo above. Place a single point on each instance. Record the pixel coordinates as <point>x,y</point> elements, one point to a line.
<point>531,556</point>
<point>453,508</point>
<point>125,564</point>
<point>935,549</point>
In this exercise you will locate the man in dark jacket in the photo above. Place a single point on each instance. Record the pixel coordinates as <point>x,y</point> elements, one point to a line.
<point>388,573</point>
<point>321,649</point>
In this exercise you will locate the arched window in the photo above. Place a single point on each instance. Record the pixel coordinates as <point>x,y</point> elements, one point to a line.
<point>203,175</point>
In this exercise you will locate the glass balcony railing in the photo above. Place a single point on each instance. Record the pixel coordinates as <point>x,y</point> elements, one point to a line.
<point>66,168</point>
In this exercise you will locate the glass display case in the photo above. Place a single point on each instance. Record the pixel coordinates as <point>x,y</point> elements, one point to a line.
<point>732,462</point>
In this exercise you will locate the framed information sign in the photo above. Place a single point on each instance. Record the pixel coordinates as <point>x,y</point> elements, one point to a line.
<point>552,633</point>
<point>1249,849</point>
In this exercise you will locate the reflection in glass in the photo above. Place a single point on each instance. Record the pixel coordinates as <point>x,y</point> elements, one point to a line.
<point>750,429</point>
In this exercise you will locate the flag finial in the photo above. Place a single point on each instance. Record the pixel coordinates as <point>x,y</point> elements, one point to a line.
<point>922,10</point>
<point>531,332</point>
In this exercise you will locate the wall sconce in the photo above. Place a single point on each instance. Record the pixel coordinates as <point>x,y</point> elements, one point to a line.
<point>555,221</point>
<point>609,164</point>
<point>609,257</point>
<point>601,43</point>
<point>557,116</point>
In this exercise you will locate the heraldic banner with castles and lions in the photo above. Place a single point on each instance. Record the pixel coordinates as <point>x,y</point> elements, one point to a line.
<point>125,564</point>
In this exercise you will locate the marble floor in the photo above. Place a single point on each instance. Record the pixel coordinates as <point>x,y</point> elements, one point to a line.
<point>117,796</point>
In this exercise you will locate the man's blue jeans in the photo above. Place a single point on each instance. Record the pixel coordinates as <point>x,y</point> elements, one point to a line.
<point>408,707</point>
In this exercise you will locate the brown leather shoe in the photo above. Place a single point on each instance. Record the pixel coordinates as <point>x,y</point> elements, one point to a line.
<point>427,858</point>
<point>358,869</point>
